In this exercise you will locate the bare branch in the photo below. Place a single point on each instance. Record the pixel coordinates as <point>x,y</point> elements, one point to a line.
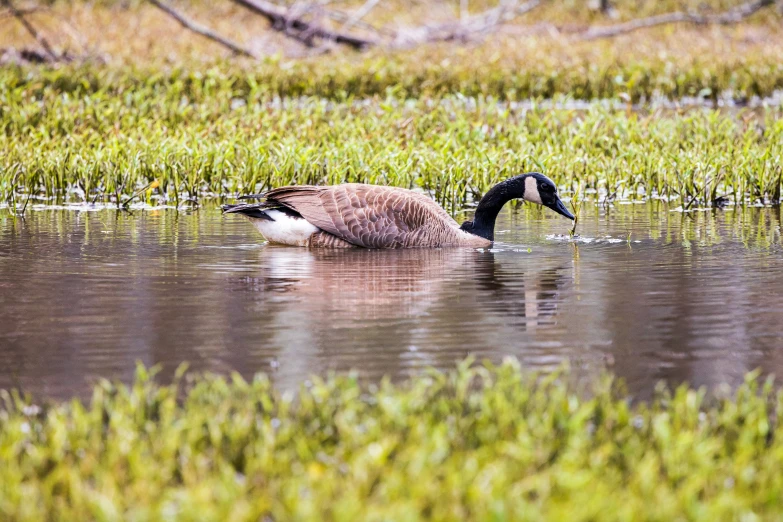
<point>358,15</point>
<point>24,11</point>
<point>20,15</point>
<point>474,25</point>
<point>464,11</point>
<point>67,27</point>
<point>301,30</point>
<point>200,29</point>
<point>731,16</point>
<point>508,12</point>
<point>344,17</point>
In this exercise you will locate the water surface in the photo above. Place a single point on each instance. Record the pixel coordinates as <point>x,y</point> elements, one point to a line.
<point>649,293</point>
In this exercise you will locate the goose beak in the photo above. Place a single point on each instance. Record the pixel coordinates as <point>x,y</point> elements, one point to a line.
<point>561,209</point>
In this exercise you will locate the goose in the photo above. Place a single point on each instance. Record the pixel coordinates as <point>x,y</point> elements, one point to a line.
<point>376,216</point>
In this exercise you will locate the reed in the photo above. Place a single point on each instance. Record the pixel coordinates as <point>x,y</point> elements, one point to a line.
<point>576,206</point>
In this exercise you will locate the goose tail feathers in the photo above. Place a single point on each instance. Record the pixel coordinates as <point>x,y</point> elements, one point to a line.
<point>254,210</point>
<point>253,196</point>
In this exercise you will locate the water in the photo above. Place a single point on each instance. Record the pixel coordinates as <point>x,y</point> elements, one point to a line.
<point>648,293</point>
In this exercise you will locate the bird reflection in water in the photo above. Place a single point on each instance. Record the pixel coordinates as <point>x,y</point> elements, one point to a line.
<point>438,303</point>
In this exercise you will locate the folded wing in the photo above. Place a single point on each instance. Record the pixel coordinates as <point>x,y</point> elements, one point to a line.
<point>371,216</point>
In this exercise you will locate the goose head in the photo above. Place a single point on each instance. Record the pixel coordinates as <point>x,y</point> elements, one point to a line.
<point>541,190</point>
<point>533,187</point>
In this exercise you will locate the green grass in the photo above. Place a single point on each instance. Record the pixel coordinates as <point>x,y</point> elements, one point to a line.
<point>172,114</point>
<point>480,443</point>
<point>208,138</point>
<point>597,70</point>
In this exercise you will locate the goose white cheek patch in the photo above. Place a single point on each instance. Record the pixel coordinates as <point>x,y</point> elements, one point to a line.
<point>531,191</point>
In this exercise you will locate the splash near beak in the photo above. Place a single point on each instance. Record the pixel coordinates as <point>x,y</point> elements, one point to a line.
<point>561,209</point>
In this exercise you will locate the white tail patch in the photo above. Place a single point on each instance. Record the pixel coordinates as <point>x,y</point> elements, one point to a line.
<point>531,191</point>
<point>285,229</point>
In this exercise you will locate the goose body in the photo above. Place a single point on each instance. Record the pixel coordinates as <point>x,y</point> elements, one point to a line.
<point>374,216</point>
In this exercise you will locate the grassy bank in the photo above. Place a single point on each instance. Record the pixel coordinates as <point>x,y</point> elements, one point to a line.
<point>169,116</point>
<point>482,443</point>
<point>737,63</point>
<point>196,139</point>
<point>541,54</point>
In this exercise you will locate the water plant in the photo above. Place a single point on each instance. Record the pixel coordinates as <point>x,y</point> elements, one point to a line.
<point>576,205</point>
<point>472,443</point>
<point>106,146</point>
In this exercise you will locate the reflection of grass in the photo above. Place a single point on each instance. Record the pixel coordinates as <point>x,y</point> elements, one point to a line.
<point>481,443</point>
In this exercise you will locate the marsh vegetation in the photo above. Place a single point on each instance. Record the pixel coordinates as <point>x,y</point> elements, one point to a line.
<point>450,118</point>
<point>105,146</point>
<point>121,136</point>
<point>483,440</point>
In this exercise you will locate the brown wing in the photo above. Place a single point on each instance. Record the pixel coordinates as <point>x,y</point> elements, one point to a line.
<point>371,216</point>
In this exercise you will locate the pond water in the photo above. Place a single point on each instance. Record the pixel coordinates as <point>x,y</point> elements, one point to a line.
<point>646,292</point>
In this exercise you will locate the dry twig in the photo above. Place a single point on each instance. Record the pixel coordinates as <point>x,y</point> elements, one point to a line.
<point>20,15</point>
<point>358,15</point>
<point>200,29</point>
<point>340,16</point>
<point>477,24</point>
<point>299,29</point>
<point>731,16</point>
<point>24,11</point>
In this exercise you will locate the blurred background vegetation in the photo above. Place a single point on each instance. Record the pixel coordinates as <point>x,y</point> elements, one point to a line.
<point>547,36</point>
<point>106,98</point>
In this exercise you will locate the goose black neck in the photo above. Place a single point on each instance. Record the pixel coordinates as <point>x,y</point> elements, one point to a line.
<point>483,224</point>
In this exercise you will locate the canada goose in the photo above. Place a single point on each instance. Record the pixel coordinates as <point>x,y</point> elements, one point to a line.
<point>374,216</point>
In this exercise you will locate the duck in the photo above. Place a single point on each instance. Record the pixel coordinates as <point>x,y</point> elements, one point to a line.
<point>351,215</point>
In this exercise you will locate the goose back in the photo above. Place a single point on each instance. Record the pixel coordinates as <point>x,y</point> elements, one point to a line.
<point>374,216</point>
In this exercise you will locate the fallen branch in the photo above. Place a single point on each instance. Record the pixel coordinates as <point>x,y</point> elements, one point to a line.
<point>361,13</point>
<point>24,11</point>
<point>731,16</point>
<point>503,13</point>
<point>20,15</point>
<point>65,25</point>
<point>201,30</point>
<point>301,30</point>
<point>472,25</point>
<point>342,17</point>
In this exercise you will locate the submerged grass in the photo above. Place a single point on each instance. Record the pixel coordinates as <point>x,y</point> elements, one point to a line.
<point>489,442</point>
<point>193,140</point>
